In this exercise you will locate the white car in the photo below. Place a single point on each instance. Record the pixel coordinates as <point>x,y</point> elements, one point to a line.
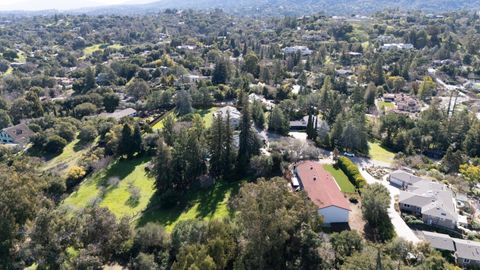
<point>347,154</point>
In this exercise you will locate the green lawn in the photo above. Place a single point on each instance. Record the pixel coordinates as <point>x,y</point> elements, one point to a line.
<point>91,49</point>
<point>70,155</point>
<point>204,204</point>
<point>21,57</point>
<point>207,116</point>
<point>117,198</point>
<point>341,179</point>
<point>160,124</point>
<point>8,72</point>
<point>98,47</point>
<point>386,105</point>
<point>377,152</point>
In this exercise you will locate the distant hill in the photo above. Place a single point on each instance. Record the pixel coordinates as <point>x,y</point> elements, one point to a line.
<point>298,7</point>
<point>287,7</point>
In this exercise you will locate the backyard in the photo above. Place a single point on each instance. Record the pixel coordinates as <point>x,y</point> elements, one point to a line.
<point>70,155</point>
<point>342,180</point>
<point>204,204</point>
<point>206,114</point>
<point>113,188</point>
<point>379,153</point>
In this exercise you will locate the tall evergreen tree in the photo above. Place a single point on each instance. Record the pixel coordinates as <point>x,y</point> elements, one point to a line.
<point>137,140</point>
<point>248,141</point>
<point>125,146</point>
<point>168,130</point>
<point>216,140</point>
<point>163,167</point>
<point>220,73</point>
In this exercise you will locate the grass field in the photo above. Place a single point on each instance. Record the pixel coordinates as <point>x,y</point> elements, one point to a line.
<point>21,57</point>
<point>91,49</point>
<point>160,124</point>
<point>71,154</point>
<point>98,47</point>
<point>341,179</point>
<point>196,204</point>
<point>386,105</point>
<point>117,197</point>
<point>207,116</point>
<point>377,152</point>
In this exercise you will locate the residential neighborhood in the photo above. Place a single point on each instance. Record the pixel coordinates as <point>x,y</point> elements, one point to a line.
<point>227,135</point>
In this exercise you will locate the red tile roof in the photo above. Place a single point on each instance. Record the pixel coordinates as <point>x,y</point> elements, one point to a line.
<point>320,185</point>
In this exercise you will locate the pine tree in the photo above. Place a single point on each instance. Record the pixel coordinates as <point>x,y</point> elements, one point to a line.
<point>137,141</point>
<point>220,73</point>
<point>163,167</point>
<point>310,127</point>
<point>216,140</point>
<point>168,131</point>
<point>248,142</point>
<point>125,146</point>
<point>89,79</point>
<point>228,155</point>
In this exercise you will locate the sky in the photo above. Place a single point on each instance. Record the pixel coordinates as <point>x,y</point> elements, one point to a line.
<point>60,4</point>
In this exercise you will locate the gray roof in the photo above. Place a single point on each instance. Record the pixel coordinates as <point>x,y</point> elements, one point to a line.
<point>20,133</point>
<point>234,112</point>
<point>467,249</point>
<point>405,177</point>
<point>439,240</point>
<point>435,199</point>
<point>119,114</point>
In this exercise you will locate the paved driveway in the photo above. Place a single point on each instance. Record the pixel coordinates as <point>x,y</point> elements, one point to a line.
<point>401,228</point>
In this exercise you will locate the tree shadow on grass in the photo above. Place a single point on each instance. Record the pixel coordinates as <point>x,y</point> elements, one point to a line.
<point>120,170</point>
<point>79,146</point>
<point>208,201</point>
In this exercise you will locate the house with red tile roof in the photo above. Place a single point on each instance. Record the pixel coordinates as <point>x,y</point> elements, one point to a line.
<point>324,191</point>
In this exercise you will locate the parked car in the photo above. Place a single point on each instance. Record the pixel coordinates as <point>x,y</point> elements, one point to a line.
<point>348,154</point>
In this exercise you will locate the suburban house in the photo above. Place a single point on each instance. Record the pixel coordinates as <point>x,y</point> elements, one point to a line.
<point>466,252</point>
<point>403,102</point>
<point>19,134</point>
<point>304,50</point>
<point>397,46</point>
<point>322,189</point>
<point>403,179</point>
<point>267,103</point>
<point>433,202</point>
<point>235,115</point>
<point>120,114</point>
<point>406,103</point>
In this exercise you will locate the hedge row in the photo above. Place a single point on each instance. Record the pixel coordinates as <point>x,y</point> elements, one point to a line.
<point>351,170</point>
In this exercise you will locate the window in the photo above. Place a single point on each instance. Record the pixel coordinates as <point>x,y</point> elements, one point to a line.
<point>466,260</point>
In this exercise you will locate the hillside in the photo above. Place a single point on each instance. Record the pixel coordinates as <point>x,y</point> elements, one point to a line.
<point>290,7</point>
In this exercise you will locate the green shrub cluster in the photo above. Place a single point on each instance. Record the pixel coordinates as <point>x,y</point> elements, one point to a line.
<point>352,172</point>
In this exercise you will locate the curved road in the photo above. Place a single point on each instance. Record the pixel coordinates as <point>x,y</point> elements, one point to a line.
<point>401,228</point>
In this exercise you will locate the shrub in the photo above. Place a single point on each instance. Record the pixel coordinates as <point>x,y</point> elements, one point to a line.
<point>55,144</point>
<point>74,175</point>
<point>352,172</point>
<point>88,133</point>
